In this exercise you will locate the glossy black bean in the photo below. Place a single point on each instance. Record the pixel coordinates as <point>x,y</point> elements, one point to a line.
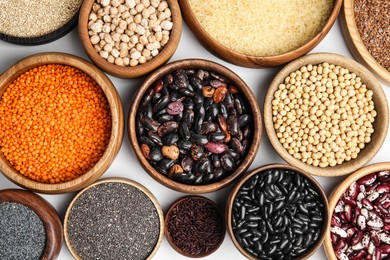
<point>184,144</point>
<point>287,248</point>
<point>199,117</point>
<point>305,218</point>
<point>161,103</point>
<point>164,118</point>
<point>198,98</point>
<point>156,155</point>
<point>219,173</point>
<point>238,106</point>
<point>186,92</point>
<point>229,100</point>
<point>161,170</point>
<point>166,163</point>
<point>209,178</point>
<point>213,110</point>
<point>264,238</point>
<point>198,179</point>
<point>236,145</point>
<point>227,162</point>
<point>232,125</point>
<point>271,250</point>
<point>234,155</point>
<point>155,138</point>
<point>196,82</point>
<point>199,139</point>
<point>254,210</point>
<point>186,178</point>
<point>251,224</point>
<point>147,97</point>
<point>150,124</point>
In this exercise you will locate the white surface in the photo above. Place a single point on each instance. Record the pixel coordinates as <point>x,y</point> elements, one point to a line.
<point>126,165</point>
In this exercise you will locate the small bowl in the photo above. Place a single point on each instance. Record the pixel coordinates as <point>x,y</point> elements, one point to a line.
<point>116,115</point>
<point>127,71</point>
<point>380,125</point>
<point>45,212</point>
<point>338,192</point>
<point>168,234</point>
<point>253,61</point>
<point>240,183</point>
<point>355,43</point>
<point>239,83</point>
<point>122,181</point>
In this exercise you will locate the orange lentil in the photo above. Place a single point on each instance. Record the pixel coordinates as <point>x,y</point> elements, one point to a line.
<point>55,123</point>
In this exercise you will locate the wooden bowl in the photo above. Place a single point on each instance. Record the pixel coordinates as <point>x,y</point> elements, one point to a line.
<point>127,71</point>
<point>338,192</point>
<point>253,61</point>
<point>241,181</point>
<point>380,125</point>
<point>116,115</point>
<point>168,235</point>
<point>195,64</point>
<point>124,181</point>
<point>355,43</point>
<point>45,212</point>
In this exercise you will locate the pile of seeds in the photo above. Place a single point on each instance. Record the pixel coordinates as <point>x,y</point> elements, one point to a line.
<point>35,18</point>
<point>195,226</point>
<point>194,126</point>
<point>360,225</point>
<point>277,214</point>
<point>372,20</point>
<point>129,32</point>
<point>113,221</point>
<point>55,123</point>
<point>323,114</point>
<point>22,233</point>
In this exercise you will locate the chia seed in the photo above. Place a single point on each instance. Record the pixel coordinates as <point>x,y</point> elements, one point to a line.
<point>22,232</point>
<point>113,221</point>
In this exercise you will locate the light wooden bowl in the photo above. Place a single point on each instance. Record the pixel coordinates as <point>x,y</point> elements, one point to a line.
<point>116,115</point>
<point>168,235</point>
<point>380,125</point>
<point>239,83</point>
<point>124,181</point>
<point>253,61</point>
<point>355,43</point>
<point>241,181</point>
<point>45,212</point>
<point>338,192</point>
<point>127,71</point>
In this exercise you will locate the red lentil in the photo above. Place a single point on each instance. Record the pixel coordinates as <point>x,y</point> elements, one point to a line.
<point>55,123</point>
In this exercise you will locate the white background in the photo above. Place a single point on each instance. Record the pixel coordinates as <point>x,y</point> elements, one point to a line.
<point>126,165</point>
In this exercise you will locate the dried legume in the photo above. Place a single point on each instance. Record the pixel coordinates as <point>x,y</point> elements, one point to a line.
<point>190,135</point>
<point>323,114</point>
<point>35,18</point>
<point>372,20</point>
<point>360,225</point>
<point>195,226</point>
<point>277,214</point>
<point>22,233</point>
<point>129,32</point>
<point>55,123</point>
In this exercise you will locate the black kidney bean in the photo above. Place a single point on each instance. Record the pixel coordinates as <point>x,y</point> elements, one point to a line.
<point>271,206</point>
<point>178,110</point>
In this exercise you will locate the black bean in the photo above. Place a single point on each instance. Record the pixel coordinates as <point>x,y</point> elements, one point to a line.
<point>184,144</point>
<point>227,162</point>
<point>223,109</point>
<point>207,128</point>
<point>198,98</point>
<point>199,139</point>
<point>232,125</point>
<point>213,111</point>
<point>236,145</point>
<point>219,173</point>
<point>238,106</point>
<point>150,124</point>
<point>254,210</point>
<point>148,141</point>
<point>167,127</point>
<point>199,117</point>
<point>208,178</point>
<point>272,250</point>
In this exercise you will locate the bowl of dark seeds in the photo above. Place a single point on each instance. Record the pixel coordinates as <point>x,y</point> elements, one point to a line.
<point>277,212</point>
<point>30,227</point>
<point>194,226</point>
<point>114,218</point>
<point>195,126</point>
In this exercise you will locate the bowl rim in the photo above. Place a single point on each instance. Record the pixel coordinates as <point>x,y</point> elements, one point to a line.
<point>340,189</point>
<point>355,43</point>
<point>45,211</point>
<point>129,182</point>
<point>380,104</point>
<point>117,121</point>
<point>126,71</point>
<point>167,234</point>
<point>251,60</point>
<point>239,83</point>
<point>258,170</point>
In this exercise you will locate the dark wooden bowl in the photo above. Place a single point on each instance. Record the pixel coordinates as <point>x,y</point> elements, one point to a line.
<point>124,181</point>
<point>45,212</point>
<point>168,234</point>
<point>253,61</point>
<point>380,125</point>
<point>238,82</point>
<point>338,192</point>
<point>116,115</point>
<point>127,71</point>
<point>237,186</point>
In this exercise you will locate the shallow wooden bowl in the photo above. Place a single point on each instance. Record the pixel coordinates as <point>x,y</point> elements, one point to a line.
<point>253,61</point>
<point>116,115</point>
<point>338,192</point>
<point>238,82</point>
<point>168,235</point>
<point>127,71</point>
<point>124,181</point>
<point>241,181</point>
<point>45,212</point>
<point>355,43</point>
<point>380,125</point>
